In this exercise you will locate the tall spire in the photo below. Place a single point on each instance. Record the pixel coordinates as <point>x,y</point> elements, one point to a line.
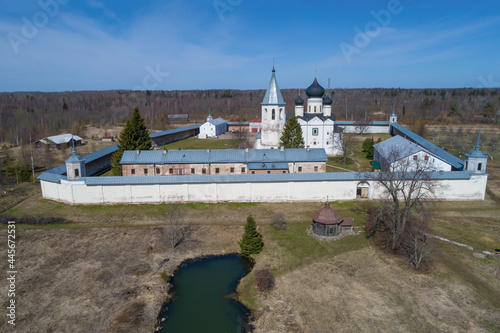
<point>273,94</point>
<point>209,115</point>
<point>478,138</point>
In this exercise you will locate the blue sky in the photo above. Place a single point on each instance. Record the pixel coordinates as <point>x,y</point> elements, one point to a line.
<point>64,45</point>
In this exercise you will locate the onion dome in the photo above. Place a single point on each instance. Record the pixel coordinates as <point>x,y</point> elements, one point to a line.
<point>327,215</point>
<point>299,100</point>
<point>327,100</point>
<point>315,90</point>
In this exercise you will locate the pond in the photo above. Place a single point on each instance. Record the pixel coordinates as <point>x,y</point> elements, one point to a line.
<point>203,297</point>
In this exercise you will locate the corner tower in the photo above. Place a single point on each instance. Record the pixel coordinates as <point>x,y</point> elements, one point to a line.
<point>273,114</point>
<point>75,166</point>
<point>475,161</point>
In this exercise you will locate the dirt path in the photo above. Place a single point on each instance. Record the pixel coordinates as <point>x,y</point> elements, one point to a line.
<point>354,160</point>
<point>336,167</point>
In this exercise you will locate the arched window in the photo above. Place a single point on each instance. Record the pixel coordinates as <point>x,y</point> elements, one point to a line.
<point>265,114</point>
<point>77,173</point>
<point>315,109</point>
<point>273,115</point>
<point>281,114</point>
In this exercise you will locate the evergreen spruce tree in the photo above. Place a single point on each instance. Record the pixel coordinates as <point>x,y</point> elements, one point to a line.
<point>134,136</point>
<point>251,242</point>
<point>292,134</point>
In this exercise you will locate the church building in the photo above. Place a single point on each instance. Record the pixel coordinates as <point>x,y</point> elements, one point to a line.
<point>317,121</point>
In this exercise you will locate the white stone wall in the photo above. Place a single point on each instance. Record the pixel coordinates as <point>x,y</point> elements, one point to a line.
<point>276,191</point>
<point>367,129</point>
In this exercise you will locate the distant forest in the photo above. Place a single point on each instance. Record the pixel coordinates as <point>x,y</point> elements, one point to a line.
<point>37,115</point>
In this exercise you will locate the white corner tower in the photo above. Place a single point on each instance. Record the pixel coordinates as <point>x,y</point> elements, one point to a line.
<point>393,118</point>
<point>273,115</point>
<point>75,166</point>
<point>475,161</point>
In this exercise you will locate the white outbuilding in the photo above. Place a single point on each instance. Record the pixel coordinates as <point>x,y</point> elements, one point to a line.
<point>212,128</point>
<point>400,154</point>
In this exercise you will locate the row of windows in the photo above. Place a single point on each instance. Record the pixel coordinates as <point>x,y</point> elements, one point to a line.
<point>217,170</point>
<point>415,157</point>
<point>181,171</point>
<point>273,114</point>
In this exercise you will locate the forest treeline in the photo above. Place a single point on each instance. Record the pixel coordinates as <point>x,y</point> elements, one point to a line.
<point>25,115</point>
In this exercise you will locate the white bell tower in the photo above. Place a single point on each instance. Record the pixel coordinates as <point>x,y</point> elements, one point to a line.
<point>273,115</point>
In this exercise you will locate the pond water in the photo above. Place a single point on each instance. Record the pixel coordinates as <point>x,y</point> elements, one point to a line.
<point>203,301</point>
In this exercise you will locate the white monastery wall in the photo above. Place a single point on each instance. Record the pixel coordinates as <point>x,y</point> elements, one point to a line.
<point>273,191</point>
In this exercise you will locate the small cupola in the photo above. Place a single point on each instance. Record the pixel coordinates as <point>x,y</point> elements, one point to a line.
<point>476,160</point>
<point>75,166</point>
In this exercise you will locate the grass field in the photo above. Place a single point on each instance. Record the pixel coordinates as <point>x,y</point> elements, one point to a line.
<point>92,274</point>
<point>195,143</point>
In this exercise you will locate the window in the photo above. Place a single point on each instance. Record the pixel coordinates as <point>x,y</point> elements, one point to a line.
<point>315,108</point>
<point>284,171</point>
<point>170,171</point>
<point>268,171</point>
<point>203,171</point>
<point>466,165</point>
<point>415,157</point>
<point>132,171</point>
<point>253,172</point>
<point>243,170</point>
<point>157,171</point>
<point>300,169</point>
<point>315,131</point>
<point>273,114</point>
<point>145,171</point>
<point>232,170</point>
<point>265,114</point>
<point>327,142</point>
<point>192,171</point>
<point>426,158</point>
<point>281,114</point>
<point>77,173</point>
<point>479,166</point>
<point>217,170</point>
<point>315,168</point>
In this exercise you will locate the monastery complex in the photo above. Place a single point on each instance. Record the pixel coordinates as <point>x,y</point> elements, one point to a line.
<point>268,173</point>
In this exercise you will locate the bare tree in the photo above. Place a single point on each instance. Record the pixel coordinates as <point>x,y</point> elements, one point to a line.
<point>401,216</point>
<point>241,139</point>
<point>343,144</point>
<point>361,127</point>
<point>174,214</point>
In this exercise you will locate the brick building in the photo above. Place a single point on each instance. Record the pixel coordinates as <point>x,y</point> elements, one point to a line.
<point>222,162</point>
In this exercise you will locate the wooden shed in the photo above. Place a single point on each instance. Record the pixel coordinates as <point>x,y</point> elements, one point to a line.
<point>327,222</point>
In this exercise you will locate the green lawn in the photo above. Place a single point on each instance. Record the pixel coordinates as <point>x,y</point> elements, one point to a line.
<point>195,143</point>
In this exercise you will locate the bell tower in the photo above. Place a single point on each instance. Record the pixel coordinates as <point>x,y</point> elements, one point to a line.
<point>272,114</point>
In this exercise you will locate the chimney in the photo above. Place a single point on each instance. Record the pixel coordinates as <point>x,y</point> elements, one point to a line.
<point>164,152</point>
<point>246,150</point>
<point>308,148</point>
<point>138,152</point>
<point>282,148</point>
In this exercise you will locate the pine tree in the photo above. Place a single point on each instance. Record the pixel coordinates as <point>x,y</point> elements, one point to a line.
<point>251,242</point>
<point>134,136</point>
<point>292,134</point>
